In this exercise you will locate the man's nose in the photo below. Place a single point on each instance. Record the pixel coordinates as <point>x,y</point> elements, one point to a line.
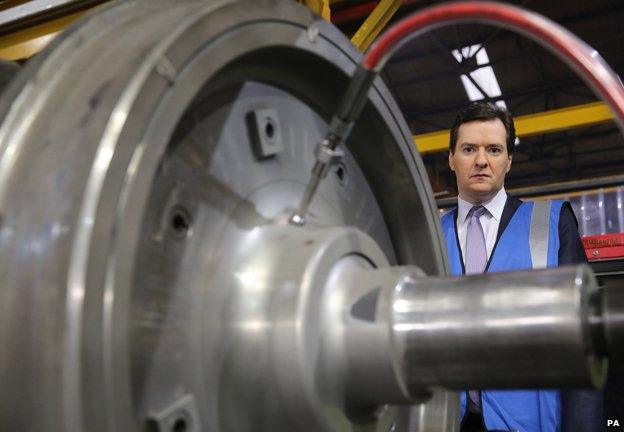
<point>481,158</point>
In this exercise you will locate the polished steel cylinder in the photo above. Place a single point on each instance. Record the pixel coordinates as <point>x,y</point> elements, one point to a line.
<point>609,321</point>
<point>504,331</point>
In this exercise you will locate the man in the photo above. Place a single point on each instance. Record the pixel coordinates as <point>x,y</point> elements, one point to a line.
<point>490,231</point>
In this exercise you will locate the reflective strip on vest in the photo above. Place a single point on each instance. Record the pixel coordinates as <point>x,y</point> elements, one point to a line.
<point>538,238</point>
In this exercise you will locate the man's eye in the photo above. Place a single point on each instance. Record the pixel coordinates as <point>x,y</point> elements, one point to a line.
<point>468,149</point>
<point>495,150</point>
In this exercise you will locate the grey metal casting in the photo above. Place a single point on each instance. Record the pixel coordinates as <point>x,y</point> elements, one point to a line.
<point>127,177</point>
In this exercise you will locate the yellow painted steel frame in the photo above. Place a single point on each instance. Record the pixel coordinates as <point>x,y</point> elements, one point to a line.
<point>321,7</point>
<point>532,124</point>
<point>375,23</point>
<point>25,43</point>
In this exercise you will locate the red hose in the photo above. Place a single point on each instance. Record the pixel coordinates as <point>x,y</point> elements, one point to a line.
<point>578,55</point>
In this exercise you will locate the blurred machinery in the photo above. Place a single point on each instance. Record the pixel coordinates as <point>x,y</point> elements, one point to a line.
<point>150,162</point>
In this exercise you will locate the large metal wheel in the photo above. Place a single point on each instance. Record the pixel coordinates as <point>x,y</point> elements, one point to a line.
<point>139,155</point>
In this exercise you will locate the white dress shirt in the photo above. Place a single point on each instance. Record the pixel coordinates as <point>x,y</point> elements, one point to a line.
<point>490,220</point>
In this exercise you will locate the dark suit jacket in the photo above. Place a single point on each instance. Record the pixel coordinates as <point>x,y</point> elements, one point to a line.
<point>581,409</point>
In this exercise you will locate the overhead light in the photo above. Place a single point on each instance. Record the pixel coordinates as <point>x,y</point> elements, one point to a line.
<point>484,76</point>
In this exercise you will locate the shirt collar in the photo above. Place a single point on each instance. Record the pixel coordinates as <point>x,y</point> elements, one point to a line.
<point>494,206</point>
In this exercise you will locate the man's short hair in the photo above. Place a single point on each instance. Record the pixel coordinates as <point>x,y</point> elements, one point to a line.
<point>484,111</point>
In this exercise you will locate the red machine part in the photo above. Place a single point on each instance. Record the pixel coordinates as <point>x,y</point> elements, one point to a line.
<point>604,246</point>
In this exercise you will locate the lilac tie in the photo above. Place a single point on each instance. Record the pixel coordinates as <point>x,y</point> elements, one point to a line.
<point>476,253</point>
<point>476,259</point>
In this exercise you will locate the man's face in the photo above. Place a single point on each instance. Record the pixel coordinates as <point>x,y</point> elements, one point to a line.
<point>480,160</point>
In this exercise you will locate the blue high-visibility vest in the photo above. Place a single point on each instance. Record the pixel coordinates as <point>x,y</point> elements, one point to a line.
<point>516,249</point>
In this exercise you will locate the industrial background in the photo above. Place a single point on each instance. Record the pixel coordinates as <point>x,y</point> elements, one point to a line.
<point>568,146</point>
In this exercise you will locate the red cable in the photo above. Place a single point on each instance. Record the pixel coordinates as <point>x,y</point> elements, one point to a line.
<point>581,57</point>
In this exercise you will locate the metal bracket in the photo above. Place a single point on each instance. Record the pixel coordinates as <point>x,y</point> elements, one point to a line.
<point>181,416</point>
<point>265,132</point>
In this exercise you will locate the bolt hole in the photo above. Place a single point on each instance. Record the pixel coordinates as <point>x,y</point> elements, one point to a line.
<point>180,222</point>
<point>341,174</point>
<point>180,425</point>
<point>269,129</point>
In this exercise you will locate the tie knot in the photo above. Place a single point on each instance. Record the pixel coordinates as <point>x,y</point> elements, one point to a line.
<point>477,211</point>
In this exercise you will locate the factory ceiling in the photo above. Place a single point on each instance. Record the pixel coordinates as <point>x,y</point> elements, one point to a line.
<point>426,79</point>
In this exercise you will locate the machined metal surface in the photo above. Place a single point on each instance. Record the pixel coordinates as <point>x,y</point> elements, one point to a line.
<point>128,176</point>
<point>512,330</point>
<point>612,323</point>
<point>407,333</point>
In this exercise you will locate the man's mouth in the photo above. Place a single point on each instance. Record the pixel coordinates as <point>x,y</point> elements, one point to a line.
<point>480,176</point>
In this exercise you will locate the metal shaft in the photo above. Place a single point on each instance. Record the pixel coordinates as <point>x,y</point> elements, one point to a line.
<point>608,322</point>
<point>498,331</point>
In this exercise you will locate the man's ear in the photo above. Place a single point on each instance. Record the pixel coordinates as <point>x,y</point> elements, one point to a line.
<point>509,163</point>
<point>451,164</point>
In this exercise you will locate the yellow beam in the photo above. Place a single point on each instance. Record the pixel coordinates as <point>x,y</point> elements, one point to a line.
<point>375,23</point>
<point>564,118</point>
<point>24,43</point>
<point>321,7</point>
<point>532,124</point>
